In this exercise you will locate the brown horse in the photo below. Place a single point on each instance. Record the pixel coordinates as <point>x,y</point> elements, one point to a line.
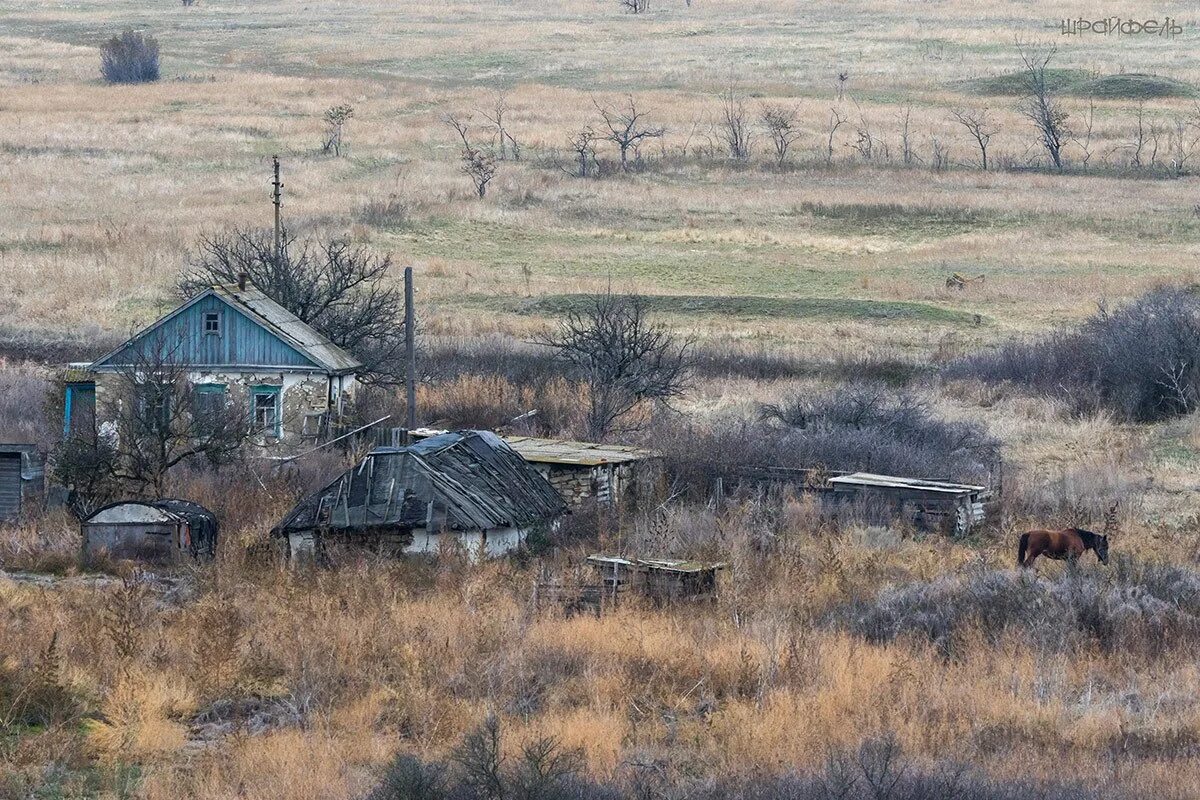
<point>1066,544</point>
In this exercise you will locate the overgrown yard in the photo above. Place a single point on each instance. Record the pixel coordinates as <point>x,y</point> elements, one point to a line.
<point>802,205</point>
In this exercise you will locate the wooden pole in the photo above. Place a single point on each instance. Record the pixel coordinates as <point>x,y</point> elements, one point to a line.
<point>410,350</point>
<point>277,199</point>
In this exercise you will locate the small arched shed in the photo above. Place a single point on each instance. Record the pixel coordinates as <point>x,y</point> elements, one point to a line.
<point>153,531</point>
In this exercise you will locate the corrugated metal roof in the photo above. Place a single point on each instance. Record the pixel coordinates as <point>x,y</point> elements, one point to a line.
<point>469,480</point>
<point>556,451</point>
<point>893,482</point>
<point>289,327</point>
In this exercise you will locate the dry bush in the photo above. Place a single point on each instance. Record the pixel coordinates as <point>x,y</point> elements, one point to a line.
<point>24,398</point>
<point>131,57</point>
<point>1134,608</point>
<point>1140,363</point>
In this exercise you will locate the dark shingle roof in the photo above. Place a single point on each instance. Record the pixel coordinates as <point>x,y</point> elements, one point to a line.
<point>469,480</point>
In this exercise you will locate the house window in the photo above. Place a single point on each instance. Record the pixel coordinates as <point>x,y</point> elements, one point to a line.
<point>208,401</point>
<point>154,407</point>
<point>212,323</point>
<point>264,407</point>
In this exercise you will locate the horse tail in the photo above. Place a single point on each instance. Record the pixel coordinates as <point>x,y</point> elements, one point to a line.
<point>1022,548</point>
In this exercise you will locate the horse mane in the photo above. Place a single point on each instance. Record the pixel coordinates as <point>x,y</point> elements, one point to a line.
<point>1089,539</point>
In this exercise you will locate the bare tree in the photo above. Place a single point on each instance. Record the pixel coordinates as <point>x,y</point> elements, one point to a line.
<point>1084,139</point>
<point>782,126</point>
<point>477,164</point>
<point>734,125</point>
<point>940,158</point>
<point>502,137</point>
<point>344,291</point>
<point>981,128</point>
<point>1146,137</point>
<point>635,6</point>
<point>624,358</point>
<point>1184,136</point>
<point>864,140</point>
<point>836,120</point>
<point>583,145</point>
<point>1040,105</point>
<point>335,124</point>
<point>627,128</point>
<point>906,148</point>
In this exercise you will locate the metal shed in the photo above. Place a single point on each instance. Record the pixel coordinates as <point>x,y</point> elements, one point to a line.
<point>959,506</point>
<point>22,478</point>
<point>156,531</point>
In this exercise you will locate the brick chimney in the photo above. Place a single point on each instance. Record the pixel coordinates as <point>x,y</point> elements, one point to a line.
<point>243,279</point>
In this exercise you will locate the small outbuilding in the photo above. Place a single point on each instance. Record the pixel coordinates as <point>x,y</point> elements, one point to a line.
<point>957,507</point>
<point>466,487</point>
<point>22,479</point>
<point>152,531</point>
<point>658,578</point>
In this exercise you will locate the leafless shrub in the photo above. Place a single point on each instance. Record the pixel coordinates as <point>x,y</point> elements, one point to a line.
<point>583,146</point>
<point>871,427</point>
<point>836,120</point>
<point>503,140</point>
<point>906,147</point>
<point>635,6</point>
<point>335,120</point>
<point>1140,363</point>
<point>477,164</point>
<point>392,211</point>
<point>1041,106</point>
<point>782,126</point>
<point>131,57</point>
<point>1084,138</point>
<point>627,128</point>
<point>1130,607</point>
<point>733,126</point>
<point>980,127</point>
<point>939,159</point>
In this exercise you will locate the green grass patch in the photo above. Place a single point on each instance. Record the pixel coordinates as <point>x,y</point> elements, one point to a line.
<point>1134,86</point>
<point>746,307</point>
<point>1080,83</point>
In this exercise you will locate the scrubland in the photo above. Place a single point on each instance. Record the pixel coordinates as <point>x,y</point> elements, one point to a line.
<point>831,639</point>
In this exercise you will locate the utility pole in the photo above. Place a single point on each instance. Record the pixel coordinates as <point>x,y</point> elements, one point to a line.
<point>277,199</point>
<point>410,350</point>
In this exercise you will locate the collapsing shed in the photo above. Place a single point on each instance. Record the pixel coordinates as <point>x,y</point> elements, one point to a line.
<point>157,531</point>
<point>955,506</point>
<point>467,485</point>
<point>658,578</point>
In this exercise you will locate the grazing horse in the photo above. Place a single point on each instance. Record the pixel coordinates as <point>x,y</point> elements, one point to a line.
<point>1066,544</point>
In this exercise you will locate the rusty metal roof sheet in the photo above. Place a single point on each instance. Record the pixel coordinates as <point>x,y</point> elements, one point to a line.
<point>870,480</point>
<point>468,480</point>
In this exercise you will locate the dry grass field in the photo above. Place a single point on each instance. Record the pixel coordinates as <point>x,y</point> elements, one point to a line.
<point>243,679</point>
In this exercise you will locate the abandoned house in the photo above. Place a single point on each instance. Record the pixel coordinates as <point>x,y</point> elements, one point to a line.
<point>579,471</point>
<point>237,349</point>
<point>956,507</point>
<point>468,488</point>
<point>22,479</point>
<point>157,532</point>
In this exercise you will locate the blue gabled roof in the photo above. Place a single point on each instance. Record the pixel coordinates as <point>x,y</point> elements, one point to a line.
<point>255,332</point>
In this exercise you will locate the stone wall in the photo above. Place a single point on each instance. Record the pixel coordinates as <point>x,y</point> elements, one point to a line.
<point>302,396</point>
